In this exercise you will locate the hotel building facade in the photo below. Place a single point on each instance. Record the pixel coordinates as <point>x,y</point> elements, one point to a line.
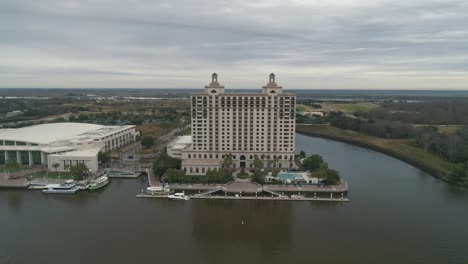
<point>245,125</point>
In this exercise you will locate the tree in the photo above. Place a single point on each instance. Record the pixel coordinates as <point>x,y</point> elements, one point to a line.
<point>104,157</point>
<point>165,162</point>
<point>258,176</point>
<point>228,161</point>
<point>302,154</point>
<point>147,141</point>
<point>78,171</point>
<point>458,173</point>
<point>312,162</point>
<point>332,177</point>
<point>258,164</point>
<point>12,164</point>
<point>55,166</point>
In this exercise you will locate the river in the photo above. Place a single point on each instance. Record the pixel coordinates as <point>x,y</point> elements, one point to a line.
<point>397,214</point>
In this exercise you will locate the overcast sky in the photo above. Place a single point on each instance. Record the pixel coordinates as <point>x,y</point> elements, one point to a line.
<point>381,44</point>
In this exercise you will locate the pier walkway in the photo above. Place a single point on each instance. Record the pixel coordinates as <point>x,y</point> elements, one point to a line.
<point>274,193</point>
<point>251,191</point>
<point>284,198</point>
<point>250,187</point>
<point>206,193</point>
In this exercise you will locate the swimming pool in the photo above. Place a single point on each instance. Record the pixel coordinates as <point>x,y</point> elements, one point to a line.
<point>290,176</point>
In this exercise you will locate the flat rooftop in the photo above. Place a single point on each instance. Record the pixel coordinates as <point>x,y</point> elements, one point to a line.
<point>52,132</point>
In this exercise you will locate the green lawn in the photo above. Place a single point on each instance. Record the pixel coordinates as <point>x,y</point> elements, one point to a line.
<point>3,168</point>
<point>51,175</point>
<point>350,107</point>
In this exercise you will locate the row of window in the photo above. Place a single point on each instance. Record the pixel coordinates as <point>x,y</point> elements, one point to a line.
<point>241,157</point>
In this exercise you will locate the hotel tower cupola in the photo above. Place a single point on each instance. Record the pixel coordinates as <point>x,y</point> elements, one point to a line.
<point>272,88</point>
<point>214,87</point>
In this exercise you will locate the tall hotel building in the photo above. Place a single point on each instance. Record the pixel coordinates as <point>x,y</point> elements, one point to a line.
<point>246,125</point>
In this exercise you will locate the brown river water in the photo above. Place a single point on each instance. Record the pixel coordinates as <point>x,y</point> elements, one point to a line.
<point>397,214</point>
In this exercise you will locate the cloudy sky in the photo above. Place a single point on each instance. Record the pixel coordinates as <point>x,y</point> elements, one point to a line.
<point>381,44</point>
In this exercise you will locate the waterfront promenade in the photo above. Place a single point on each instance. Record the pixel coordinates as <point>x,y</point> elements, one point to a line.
<point>244,190</point>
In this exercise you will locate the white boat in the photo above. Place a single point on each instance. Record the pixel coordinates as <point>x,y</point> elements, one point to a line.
<point>154,190</point>
<point>297,196</point>
<point>37,186</point>
<point>178,196</point>
<point>67,187</point>
<point>98,183</point>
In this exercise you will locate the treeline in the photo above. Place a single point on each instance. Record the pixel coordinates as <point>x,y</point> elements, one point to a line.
<point>376,128</point>
<point>114,117</point>
<point>448,112</point>
<point>453,147</point>
<point>319,168</point>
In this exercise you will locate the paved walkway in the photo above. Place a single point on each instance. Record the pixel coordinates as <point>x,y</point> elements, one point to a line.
<point>13,183</point>
<point>242,186</point>
<point>308,188</point>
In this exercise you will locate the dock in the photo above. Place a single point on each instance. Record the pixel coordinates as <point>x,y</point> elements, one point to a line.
<point>274,198</point>
<point>252,191</point>
<point>19,183</point>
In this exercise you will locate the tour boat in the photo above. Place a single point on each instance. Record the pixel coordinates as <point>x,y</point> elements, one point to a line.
<point>98,183</point>
<point>154,190</point>
<point>178,196</point>
<point>68,187</point>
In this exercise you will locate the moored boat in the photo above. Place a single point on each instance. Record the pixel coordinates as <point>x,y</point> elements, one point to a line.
<point>155,190</point>
<point>98,183</point>
<point>69,187</point>
<point>297,196</point>
<point>37,186</point>
<point>178,196</point>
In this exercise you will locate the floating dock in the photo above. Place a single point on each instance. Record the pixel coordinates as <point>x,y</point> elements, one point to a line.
<point>252,191</point>
<point>273,198</point>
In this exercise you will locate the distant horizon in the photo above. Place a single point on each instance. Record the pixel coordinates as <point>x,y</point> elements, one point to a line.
<point>327,44</point>
<point>227,88</point>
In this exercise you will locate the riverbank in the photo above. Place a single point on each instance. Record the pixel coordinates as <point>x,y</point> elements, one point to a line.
<point>402,149</point>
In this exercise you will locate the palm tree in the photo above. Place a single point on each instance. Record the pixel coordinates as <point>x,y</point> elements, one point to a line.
<point>55,166</point>
<point>227,162</point>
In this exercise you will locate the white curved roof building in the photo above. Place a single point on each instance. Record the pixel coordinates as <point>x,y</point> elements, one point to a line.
<point>62,143</point>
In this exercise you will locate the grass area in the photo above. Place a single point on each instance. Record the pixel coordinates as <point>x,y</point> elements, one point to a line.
<point>3,168</point>
<point>146,151</point>
<point>151,130</point>
<point>302,108</point>
<point>241,175</point>
<point>350,107</point>
<point>51,175</point>
<point>404,149</point>
<point>445,129</point>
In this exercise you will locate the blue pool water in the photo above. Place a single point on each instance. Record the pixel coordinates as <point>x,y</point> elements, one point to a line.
<point>289,176</point>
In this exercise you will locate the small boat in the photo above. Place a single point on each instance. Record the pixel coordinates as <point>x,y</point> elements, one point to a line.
<point>178,196</point>
<point>37,186</point>
<point>68,187</point>
<point>98,183</point>
<point>297,196</point>
<point>155,190</point>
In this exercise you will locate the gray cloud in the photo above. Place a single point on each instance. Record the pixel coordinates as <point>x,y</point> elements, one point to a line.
<point>178,43</point>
